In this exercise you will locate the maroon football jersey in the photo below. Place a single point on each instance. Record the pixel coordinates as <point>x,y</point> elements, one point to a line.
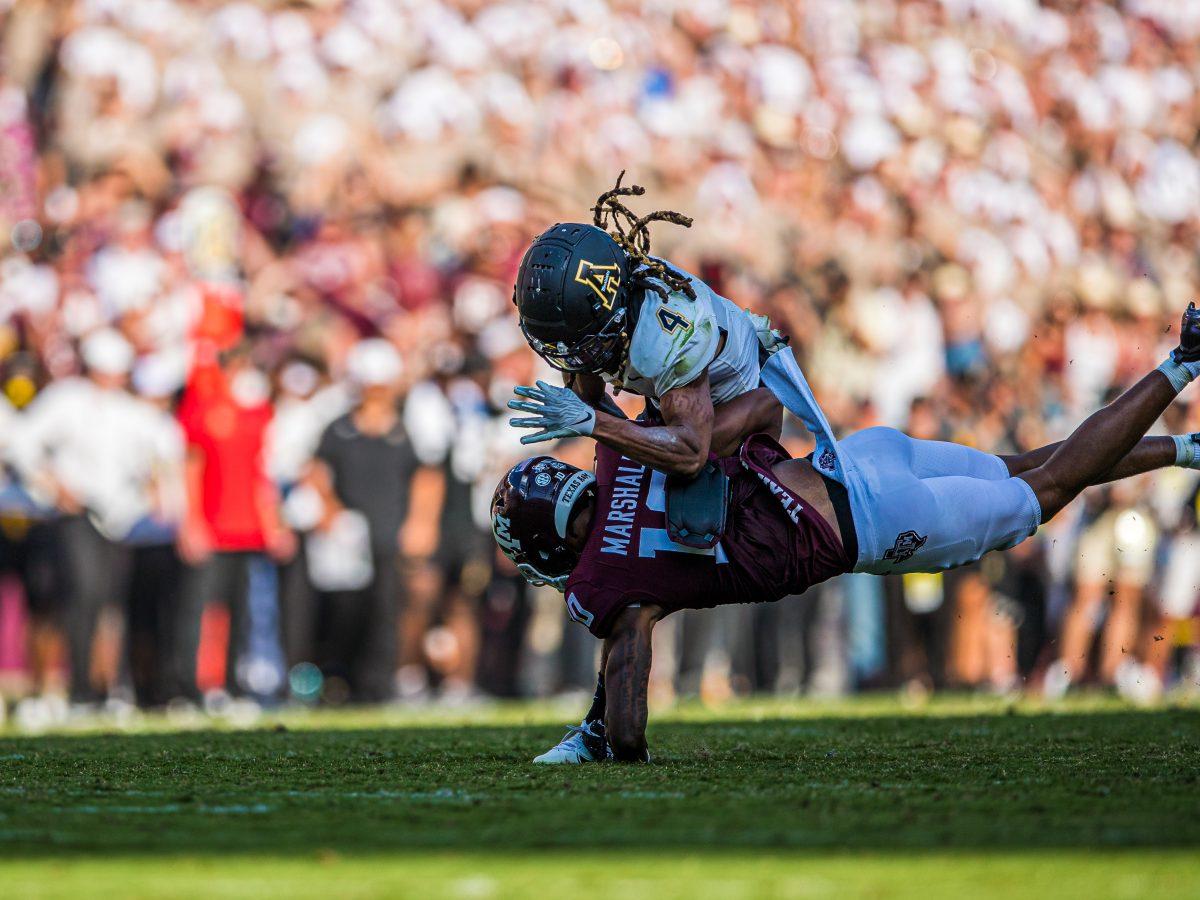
<point>774,543</point>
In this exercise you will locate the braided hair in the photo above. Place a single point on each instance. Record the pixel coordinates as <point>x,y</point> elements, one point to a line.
<point>632,233</point>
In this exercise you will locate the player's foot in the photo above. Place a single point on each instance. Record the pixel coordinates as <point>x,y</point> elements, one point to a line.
<point>582,743</point>
<point>1182,367</point>
<point>1187,450</point>
<point>1188,350</point>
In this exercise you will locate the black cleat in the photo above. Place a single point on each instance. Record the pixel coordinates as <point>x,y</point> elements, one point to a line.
<point>1189,337</point>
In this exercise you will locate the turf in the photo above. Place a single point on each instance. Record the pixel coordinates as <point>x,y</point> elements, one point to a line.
<point>866,798</point>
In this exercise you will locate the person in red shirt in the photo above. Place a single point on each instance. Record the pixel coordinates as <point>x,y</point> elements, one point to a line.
<point>233,506</point>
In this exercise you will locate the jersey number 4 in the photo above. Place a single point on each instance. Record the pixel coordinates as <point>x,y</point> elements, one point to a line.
<point>671,321</point>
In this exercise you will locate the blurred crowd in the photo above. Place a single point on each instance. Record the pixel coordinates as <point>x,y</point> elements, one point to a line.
<point>256,262</point>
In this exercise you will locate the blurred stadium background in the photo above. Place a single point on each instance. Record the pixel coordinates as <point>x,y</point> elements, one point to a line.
<point>234,237</point>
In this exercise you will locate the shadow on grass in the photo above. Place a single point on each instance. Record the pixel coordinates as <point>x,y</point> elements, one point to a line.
<point>885,783</point>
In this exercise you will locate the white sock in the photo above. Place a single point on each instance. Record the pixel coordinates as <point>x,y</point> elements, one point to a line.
<point>1187,450</point>
<point>1180,374</point>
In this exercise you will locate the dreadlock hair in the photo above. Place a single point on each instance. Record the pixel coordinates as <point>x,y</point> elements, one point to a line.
<point>632,233</point>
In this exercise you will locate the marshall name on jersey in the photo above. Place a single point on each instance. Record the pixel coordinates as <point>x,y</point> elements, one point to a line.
<point>675,339</point>
<point>630,558</point>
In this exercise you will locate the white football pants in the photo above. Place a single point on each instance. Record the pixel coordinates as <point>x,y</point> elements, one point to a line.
<point>925,506</point>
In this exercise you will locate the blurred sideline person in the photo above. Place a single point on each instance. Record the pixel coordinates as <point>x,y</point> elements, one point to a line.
<point>362,471</point>
<point>30,551</point>
<point>452,423</point>
<point>1114,564</point>
<point>1166,627</point>
<point>96,453</point>
<point>233,512</point>
<point>156,571</point>
<point>305,403</point>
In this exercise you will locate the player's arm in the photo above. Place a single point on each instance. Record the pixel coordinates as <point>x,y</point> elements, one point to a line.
<point>677,447</point>
<point>754,412</point>
<point>627,681</point>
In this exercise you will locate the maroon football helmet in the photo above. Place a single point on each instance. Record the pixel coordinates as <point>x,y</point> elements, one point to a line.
<point>531,511</point>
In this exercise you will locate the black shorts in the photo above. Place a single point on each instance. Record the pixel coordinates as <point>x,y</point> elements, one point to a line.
<point>30,550</point>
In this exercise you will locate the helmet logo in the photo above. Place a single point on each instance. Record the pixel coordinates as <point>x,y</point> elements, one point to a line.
<point>500,526</point>
<point>604,280</point>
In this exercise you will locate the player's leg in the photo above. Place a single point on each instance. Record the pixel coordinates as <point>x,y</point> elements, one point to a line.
<point>936,459</point>
<point>1148,454</point>
<point>585,742</point>
<point>906,523</point>
<point>1099,444</point>
<point>1109,435</point>
<point>627,682</point>
<point>924,459</point>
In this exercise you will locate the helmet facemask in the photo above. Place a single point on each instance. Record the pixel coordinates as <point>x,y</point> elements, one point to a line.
<point>597,354</point>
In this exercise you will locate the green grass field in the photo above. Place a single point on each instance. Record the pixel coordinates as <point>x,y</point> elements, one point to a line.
<point>962,798</point>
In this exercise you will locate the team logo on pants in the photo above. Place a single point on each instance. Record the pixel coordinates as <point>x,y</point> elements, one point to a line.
<point>907,543</point>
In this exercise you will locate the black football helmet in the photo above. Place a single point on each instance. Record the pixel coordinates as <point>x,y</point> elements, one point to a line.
<point>572,294</point>
<point>531,511</point>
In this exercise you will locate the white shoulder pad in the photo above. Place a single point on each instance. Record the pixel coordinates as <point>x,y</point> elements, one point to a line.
<point>675,339</point>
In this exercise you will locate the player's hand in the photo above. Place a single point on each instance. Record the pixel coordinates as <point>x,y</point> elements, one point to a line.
<point>772,339</point>
<point>558,412</point>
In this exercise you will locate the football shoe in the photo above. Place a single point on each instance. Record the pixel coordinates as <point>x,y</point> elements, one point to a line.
<point>585,742</point>
<point>1188,350</point>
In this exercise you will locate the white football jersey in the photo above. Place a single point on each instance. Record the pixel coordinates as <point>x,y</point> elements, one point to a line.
<point>677,338</point>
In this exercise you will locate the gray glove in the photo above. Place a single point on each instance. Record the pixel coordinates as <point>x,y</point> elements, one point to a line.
<point>559,412</point>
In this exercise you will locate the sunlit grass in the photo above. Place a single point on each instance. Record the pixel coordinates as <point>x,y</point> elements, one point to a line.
<point>877,796</point>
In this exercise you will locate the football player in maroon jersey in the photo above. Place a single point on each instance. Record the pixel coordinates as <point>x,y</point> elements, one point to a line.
<point>896,505</point>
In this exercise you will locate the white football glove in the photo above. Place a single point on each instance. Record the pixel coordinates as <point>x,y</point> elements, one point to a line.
<point>559,412</point>
<point>771,339</point>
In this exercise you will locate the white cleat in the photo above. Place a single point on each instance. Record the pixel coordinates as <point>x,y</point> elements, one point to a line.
<point>582,743</point>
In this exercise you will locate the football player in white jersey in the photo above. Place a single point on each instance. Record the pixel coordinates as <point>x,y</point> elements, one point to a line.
<point>603,311</point>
